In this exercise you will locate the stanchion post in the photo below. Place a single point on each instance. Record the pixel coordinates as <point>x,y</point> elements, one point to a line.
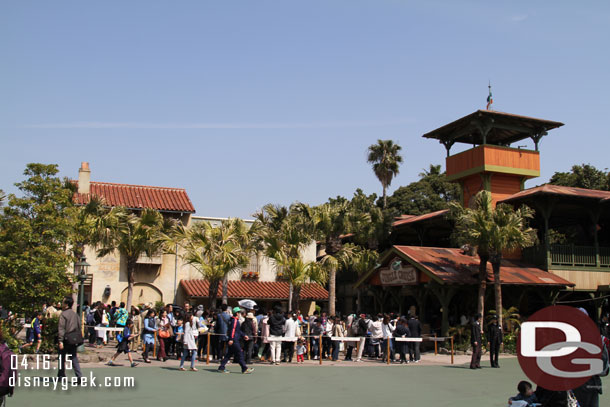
<point>435,346</point>
<point>451,349</point>
<point>155,346</point>
<point>308,342</point>
<point>320,347</point>
<point>387,352</point>
<point>207,356</point>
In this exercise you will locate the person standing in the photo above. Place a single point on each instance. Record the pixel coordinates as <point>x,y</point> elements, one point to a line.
<point>221,328</point>
<point>402,331</point>
<point>137,328</point>
<point>415,330</point>
<point>189,340</point>
<point>276,330</point>
<point>290,331</point>
<point>363,329</point>
<point>249,329</point>
<point>150,327</point>
<point>475,341</point>
<point>6,371</point>
<point>69,337</point>
<point>234,335</point>
<point>387,328</point>
<point>495,340</point>
<point>338,331</point>
<point>165,334</point>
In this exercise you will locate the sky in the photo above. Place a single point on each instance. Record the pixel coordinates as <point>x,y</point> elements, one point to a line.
<point>245,103</point>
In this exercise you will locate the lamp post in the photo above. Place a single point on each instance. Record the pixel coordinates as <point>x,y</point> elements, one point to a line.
<point>80,272</point>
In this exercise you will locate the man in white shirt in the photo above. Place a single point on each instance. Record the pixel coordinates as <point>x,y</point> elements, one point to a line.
<point>290,331</point>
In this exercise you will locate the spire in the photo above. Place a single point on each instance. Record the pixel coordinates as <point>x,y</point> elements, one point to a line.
<point>490,99</point>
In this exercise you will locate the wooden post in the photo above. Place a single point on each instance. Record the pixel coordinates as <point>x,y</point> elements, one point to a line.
<point>155,346</point>
<point>452,350</point>
<point>207,359</point>
<point>308,343</point>
<point>387,352</point>
<point>320,347</point>
<point>82,323</point>
<point>435,346</point>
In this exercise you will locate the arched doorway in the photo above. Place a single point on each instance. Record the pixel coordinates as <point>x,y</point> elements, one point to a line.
<point>143,293</point>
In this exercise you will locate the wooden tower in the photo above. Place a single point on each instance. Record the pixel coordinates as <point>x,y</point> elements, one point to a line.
<point>492,164</point>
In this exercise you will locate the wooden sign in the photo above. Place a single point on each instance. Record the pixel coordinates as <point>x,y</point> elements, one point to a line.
<point>398,273</point>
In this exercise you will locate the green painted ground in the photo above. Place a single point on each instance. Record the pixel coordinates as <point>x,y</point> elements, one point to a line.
<point>293,386</point>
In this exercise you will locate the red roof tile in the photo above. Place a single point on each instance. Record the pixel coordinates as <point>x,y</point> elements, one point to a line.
<point>139,197</point>
<point>560,190</point>
<point>268,290</point>
<point>453,267</point>
<point>407,219</point>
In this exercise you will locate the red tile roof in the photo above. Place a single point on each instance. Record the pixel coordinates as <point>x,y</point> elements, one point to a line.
<point>550,189</point>
<point>139,197</point>
<point>268,290</point>
<point>407,219</point>
<point>454,267</point>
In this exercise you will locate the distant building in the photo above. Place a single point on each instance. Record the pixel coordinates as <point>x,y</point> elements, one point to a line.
<point>424,274</point>
<point>165,277</point>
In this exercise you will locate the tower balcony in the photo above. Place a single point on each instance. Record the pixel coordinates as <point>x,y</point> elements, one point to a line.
<point>493,159</point>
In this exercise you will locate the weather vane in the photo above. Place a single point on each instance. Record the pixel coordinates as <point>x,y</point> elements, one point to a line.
<point>490,99</point>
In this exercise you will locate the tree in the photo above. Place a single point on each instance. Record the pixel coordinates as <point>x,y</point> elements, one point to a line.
<point>583,176</point>
<point>432,192</point>
<point>132,235</point>
<point>385,158</point>
<point>213,251</point>
<point>492,231</point>
<point>282,234</point>
<point>371,225</point>
<point>34,237</point>
<point>329,223</point>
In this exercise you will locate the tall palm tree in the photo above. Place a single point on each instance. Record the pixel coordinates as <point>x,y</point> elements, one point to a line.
<point>385,158</point>
<point>492,231</point>
<point>214,251</point>
<point>281,234</point>
<point>132,235</point>
<point>330,222</point>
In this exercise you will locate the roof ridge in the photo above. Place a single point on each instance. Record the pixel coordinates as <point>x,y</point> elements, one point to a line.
<point>131,185</point>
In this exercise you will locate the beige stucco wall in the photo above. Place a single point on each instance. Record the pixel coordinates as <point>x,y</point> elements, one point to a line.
<point>156,283</point>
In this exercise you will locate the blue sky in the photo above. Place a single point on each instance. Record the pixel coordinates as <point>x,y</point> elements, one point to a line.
<point>248,102</point>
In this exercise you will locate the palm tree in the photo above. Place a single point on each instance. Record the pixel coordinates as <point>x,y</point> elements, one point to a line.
<point>281,234</point>
<point>510,232</point>
<point>330,222</point>
<point>132,235</point>
<point>385,158</point>
<point>491,231</point>
<point>213,251</point>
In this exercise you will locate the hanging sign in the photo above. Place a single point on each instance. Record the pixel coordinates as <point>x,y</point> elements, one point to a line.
<point>398,273</point>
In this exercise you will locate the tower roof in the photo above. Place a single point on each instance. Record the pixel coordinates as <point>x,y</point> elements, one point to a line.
<point>492,127</point>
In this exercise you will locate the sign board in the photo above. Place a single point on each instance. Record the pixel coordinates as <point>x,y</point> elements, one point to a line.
<point>398,273</point>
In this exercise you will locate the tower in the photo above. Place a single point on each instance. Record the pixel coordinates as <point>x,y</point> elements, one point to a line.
<point>492,164</point>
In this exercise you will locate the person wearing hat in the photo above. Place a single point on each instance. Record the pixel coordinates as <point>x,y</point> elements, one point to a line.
<point>249,328</point>
<point>495,340</point>
<point>234,335</point>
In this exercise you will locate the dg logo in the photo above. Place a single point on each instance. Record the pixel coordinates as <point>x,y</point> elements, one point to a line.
<point>559,348</point>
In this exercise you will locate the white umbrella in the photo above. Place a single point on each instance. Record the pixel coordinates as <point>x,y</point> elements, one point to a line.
<point>247,304</point>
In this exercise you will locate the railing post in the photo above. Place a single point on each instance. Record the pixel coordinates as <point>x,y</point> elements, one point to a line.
<point>155,346</point>
<point>435,346</point>
<point>207,361</point>
<point>388,349</point>
<point>320,347</point>
<point>308,343</point>
<point>451,349</point>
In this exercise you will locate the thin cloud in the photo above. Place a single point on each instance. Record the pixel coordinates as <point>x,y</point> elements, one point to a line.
<point>519,18</point>
<point>174,126</point>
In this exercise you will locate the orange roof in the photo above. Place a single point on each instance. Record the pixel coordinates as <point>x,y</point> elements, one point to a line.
<point>268,290</point>
<point>138,197</point>
<point>454,267</point>
<point>407,219</point>
<point>560,190</point>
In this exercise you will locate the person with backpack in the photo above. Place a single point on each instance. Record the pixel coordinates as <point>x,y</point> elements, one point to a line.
<point>276,331</point>
<point>6,372</point>
<point>402,331</point>
<point>249,328</point>
<point>69,337</point>
<point>124,339</point>
<point>34,333</point>
<point>415,330</point>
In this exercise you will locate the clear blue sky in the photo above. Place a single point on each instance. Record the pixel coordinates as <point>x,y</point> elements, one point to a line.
<point>248,102</point>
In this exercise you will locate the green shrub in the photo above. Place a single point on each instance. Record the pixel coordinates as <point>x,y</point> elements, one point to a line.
<point>10,329</point>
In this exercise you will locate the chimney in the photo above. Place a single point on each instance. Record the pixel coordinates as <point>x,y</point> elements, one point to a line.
<point>84,178</point>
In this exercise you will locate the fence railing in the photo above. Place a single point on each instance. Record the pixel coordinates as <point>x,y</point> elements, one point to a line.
<point>567,255</point>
